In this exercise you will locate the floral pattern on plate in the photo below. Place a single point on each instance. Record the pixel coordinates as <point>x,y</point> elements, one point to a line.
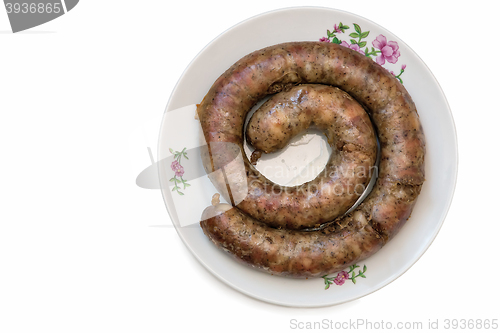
<point>178,169</point>
<point>343,276</point>
<point>381,49</point>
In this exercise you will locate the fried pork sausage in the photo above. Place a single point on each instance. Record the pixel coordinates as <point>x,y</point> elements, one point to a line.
<point>400,175</point>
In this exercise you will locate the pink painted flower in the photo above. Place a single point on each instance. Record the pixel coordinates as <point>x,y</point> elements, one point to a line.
<point>354,47</point>
<point>341,277</point>
<point>337,29</point>
<point>177,168</point>
<point>324,39</point>
<point>389,50</point>
<point>180,171</point>
<point>403,67</point>
<point>338,281</point>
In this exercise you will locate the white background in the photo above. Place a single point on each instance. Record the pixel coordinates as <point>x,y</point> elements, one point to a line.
<point>83,249</point>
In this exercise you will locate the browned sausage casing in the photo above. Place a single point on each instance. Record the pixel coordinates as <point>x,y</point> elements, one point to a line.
<point>291,253</point>
<point>401,169</point>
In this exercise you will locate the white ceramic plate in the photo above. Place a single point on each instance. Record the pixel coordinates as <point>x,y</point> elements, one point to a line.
<point>180,130</point>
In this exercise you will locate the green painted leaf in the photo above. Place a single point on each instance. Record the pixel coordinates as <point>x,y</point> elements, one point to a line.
<point>171,150</point>
<point>357,28</point>
<point>336,40</point>
<point>353,41</point>
<point>365,34</point>
<point>362,44</point>
<point>354,35</point>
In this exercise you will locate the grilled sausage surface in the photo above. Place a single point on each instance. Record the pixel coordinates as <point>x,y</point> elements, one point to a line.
<point>348,238</point>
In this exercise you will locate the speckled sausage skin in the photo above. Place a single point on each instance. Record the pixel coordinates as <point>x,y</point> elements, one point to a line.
<point>401,169</point>
<point>291,253</point>
<point>333,111</point>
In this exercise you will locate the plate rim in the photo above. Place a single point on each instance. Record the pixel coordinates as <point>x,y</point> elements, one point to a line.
<point>446,207</point>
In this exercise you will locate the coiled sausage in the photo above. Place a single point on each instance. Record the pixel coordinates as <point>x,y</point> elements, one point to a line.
<point>401,169</point>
